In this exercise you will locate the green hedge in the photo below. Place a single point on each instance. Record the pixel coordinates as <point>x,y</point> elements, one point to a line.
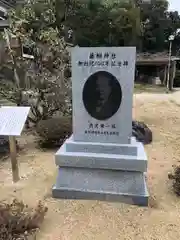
<point>54,131</point>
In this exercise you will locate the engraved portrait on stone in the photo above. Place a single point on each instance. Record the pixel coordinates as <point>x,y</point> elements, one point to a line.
<point>102,95</point>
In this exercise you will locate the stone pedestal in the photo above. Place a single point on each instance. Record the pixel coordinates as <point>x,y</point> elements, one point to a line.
<point>102,171</point>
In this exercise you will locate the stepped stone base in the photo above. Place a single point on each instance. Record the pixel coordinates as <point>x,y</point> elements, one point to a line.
<point>126,157</point>
<point>104,185</point>
<point>102,171</point>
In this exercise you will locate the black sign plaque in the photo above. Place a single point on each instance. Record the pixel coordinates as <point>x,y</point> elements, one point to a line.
<point>102,95</point>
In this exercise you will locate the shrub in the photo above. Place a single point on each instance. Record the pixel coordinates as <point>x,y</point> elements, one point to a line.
<point>4,146</point>
<point>54,131</point>
<point>175,177</point>
<point>17,220</point>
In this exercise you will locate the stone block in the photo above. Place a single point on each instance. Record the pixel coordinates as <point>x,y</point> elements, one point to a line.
<point>82,69</point>
<point>127,157</point>
<point>106,148</point>
<point>103,185</point>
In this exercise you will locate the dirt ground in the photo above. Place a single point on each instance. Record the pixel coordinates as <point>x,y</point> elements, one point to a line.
<point>93,220</point>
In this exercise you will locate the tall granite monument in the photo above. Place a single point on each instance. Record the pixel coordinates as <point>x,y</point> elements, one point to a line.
<point>101,160</point>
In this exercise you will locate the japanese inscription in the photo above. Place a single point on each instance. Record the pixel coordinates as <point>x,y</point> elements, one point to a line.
<point>101,129</point>
<point>102,59</point>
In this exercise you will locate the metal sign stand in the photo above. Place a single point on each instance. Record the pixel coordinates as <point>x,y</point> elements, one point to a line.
<point>14,161</point>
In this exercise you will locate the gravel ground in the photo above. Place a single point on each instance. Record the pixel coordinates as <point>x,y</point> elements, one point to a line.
<point>93,220</point>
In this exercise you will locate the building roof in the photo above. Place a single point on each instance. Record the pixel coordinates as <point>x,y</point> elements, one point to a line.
<point>7,3</point>
<point>155,59</point>
<point>4,24</point>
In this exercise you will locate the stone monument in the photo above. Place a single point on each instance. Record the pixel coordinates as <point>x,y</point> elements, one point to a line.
<point>101,160</point>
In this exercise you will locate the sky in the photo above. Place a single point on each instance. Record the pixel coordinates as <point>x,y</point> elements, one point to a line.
<point>174,5</point>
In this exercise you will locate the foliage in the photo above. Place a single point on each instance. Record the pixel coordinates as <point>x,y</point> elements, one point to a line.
<point>158,25</point>
<point>121,23</point>
<point>17,220</point>
<point>45,20</point>
<point>46,28</point>
<point>4,147</point>
<point>103,23</point>
<point>47,75</point>
<point>96,23</point>
<point>175,177</point>
<point>54,131</point>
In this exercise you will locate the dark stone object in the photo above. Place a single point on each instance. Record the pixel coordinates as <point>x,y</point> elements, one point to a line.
<point>102,95</point>
<point>141,132</point>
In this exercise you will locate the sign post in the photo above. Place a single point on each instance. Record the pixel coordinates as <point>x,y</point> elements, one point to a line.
<point>13,155</point>
<point>12,120</point>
